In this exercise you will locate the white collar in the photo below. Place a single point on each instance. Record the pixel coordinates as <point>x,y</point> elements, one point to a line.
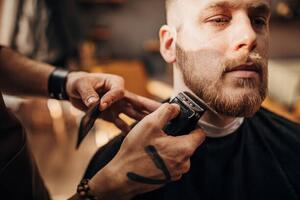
<point>216,132</point>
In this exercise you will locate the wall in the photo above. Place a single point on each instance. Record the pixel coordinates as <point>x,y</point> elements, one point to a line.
<point>131,24</point>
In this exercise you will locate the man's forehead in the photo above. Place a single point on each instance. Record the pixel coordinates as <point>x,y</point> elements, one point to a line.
<point>235,3</point>
<point>223,3</point>
<point>179,7</point>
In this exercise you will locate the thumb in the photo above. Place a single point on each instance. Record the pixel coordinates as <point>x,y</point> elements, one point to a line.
<point>192,140</point>
<point>157,120</point>
<point>87,93</point>
<point>164,114</point>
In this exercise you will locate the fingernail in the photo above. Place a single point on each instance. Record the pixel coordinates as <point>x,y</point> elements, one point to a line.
<point>176,105</point>
<point>91,100</point>
<point>177,109</point>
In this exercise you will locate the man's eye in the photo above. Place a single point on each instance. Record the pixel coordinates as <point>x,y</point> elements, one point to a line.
<point>220,21</point>
<point>259,22</point>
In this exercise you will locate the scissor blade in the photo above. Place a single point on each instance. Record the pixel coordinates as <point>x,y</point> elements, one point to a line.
<point>87,122</point>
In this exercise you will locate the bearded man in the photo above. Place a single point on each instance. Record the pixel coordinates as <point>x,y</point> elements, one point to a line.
<point>219,52</point>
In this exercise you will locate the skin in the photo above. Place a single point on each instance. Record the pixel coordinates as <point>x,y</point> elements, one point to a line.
<point>211,39</point>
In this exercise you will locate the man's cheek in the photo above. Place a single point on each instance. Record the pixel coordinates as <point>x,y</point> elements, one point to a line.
<point>208,59</point>
<point>263,46</point>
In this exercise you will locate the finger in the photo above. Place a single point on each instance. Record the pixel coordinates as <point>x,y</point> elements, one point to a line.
<point>87,93</point>
<point>141,103</point>
<point>186,167</point>
<point>177,177</point>
<point>114,85</point>
<point>113,95</point>
<point>77,103</point>
<point>191,141</point>
<point>163,114</point>
<point>130,112</point>
<point>123,126</point>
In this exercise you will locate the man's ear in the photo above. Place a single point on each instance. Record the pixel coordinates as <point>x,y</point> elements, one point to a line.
<point>167,36</point>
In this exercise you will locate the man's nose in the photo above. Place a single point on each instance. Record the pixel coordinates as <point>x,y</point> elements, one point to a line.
<point>244,36</point>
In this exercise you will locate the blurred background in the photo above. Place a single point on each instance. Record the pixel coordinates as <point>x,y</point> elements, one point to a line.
<point>120,37</point>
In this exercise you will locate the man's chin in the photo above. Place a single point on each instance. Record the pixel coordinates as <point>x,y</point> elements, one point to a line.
<point>241,91</point>
<point>244,104</point>
<point>241,112</point>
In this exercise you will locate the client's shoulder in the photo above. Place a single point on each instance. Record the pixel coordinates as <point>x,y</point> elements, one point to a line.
<point>274,126</point>
<point>265,114</point>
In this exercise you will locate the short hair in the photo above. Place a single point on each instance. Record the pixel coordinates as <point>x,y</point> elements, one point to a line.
<point>168,3</point>
<point>167,6</point>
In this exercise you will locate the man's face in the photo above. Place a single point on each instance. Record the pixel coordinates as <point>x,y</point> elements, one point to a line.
<point>222,52</point>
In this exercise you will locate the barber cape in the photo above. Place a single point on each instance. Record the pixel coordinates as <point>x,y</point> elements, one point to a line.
<point>259,161</point>
<point>19,175</point>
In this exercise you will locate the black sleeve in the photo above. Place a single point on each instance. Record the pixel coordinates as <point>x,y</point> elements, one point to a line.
<point>103,156</point>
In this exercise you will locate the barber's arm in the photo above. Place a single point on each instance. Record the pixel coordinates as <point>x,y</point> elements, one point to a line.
<point>22,76</point>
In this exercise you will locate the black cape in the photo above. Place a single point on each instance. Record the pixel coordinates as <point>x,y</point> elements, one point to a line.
<point>261,160</point>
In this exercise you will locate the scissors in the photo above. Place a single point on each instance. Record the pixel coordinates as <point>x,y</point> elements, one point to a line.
<point>87,122</point>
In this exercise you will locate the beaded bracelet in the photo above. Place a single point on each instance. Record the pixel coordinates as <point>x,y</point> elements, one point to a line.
<point>83,190</point>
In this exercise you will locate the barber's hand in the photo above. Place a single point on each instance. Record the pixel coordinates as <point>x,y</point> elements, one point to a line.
<point>134,158</point>
<point>85,89</point>
<point>134,106</point>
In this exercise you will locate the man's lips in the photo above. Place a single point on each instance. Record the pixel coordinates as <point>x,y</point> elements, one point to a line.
<point>244,67</point>
<point>244,71</point>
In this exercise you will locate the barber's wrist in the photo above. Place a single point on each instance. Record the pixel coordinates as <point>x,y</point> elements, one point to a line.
<point>102,184</point>
<point>57,84</point>
<point>108,183</point>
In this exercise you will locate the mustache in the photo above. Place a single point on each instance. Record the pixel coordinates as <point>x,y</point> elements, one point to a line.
<point>256,61</point>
